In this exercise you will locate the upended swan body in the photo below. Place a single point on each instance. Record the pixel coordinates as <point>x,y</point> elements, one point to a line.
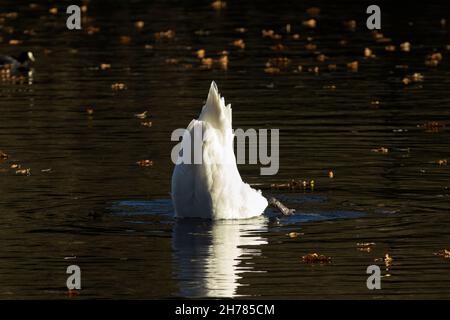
<point>213,188</point>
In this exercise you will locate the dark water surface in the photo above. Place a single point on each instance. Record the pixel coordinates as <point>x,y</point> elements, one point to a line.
<point>98,209</point>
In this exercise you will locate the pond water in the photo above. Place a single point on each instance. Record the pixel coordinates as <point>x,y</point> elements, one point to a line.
<point>87,202</point>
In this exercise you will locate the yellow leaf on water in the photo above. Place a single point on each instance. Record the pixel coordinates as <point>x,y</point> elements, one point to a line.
<point>295,234</point>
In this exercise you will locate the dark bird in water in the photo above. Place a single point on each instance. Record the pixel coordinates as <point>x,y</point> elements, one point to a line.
<point>20,64</point>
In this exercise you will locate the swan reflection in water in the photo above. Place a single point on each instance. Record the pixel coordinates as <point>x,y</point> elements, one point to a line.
<point>210,255</point>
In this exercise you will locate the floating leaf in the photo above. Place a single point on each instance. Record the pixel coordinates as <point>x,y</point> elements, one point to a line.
<point>295,234</point>
<point>146,124</point>
<point>365,246</point>
<point>316,258</point>
<point>118,86</point>
<point>105,66</point>
<point>443,253</point>
<point>381,150</point>
<point>145,163</point>
<point>3,155</point>
<point>24,172</point>
<point>139,24</point>
<point>353,66</point>
<point>169,34</point>
<point>387,260</point>
<point>200,53</point>
<point>239,43</point>
<point>142,115</point>
<point>311,23</point>
<point>218,5</point>
<point>405,46</point>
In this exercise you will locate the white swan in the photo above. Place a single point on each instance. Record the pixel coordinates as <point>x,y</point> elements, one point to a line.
<point>214,189</point>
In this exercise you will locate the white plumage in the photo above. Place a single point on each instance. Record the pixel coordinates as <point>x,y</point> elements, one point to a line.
<point>214,189</point>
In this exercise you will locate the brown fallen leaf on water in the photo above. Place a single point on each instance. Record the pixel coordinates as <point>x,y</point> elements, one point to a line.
<point>84,8</point>
<point>145,163</point>
<point>90,111</point>
<point>405,46</point>
<point>432,126</point>
<point>279,62</point>
<point>443,253</point>
<point>270,34</point>
<point>321,57</point>
<point>313,11</point>
<point>314,70</point>
<point>240,30</point>
<point>105,66</point>
<point>365,246</point>
<point>239,43</point>
<point>146,124</point>
<point>171,61</point>
<point>295,234</point>
<point>413,78</point>
<point>53,10</point>
<point>390,48</point>
<point>433,59</point>
<point>387,260</point>
<point>310,46</point>
<point>442,162</point>
<point>139,24</point>
<point>118,86</point>
<point>310,23</point>
<point>381,150</point>
<point>368,53</point>
<point>316,258</point>
<point>447,47</point>
<point>169,34</point>
<point>350,25</point>
<point>9,15</point>
<point>92,30</point>
<point>278,47</point>
<point>353,66</point>
<point>207,63</point>
<point>218,5</point>
<point>295,36</point>
<point>14,42</point>
<point>124,40</point>
<point>72,293</point>
<point>223,61</point>
<point>3,155</point>
<point>272,70</point>
<point>15,166</point>
<point>24,172</point>
<point>332,67</point>
<point>331,174</point>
